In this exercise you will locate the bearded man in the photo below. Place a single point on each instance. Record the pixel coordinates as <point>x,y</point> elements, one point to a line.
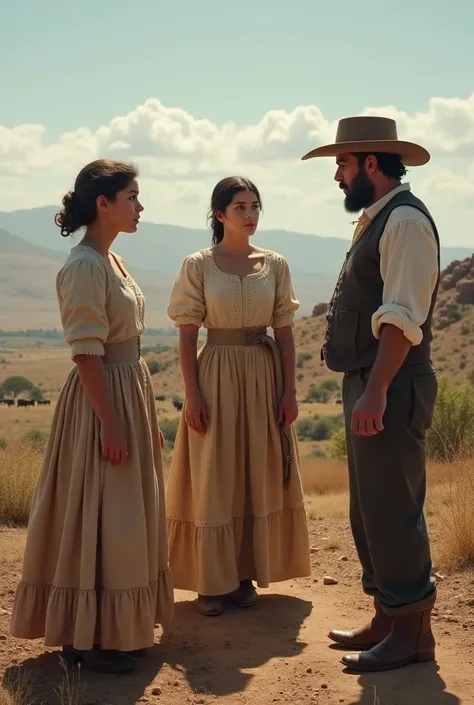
<point>379,331</point>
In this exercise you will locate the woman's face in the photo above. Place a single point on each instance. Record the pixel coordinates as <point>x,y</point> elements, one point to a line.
<point>242,214</point>
<point>123,214</point>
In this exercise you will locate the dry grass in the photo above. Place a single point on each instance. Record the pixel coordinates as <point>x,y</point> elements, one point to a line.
<point>47,367</point>
<point>16,423</point>
<point>17,689</point>
<point>72,690</point>
<point>453,502</point>
<point>323,477</point>
<point>19,468</point>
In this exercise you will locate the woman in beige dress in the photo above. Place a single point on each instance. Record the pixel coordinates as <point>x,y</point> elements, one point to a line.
<point>96,576</point>
<point>234,497</point>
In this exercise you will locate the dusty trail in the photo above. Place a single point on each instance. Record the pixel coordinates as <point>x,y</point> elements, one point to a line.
<point>277,652</point>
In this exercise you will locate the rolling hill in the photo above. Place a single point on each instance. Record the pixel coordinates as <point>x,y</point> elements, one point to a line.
<point>31,251</point>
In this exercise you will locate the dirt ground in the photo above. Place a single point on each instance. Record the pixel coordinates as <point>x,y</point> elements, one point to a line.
<point>277,652</point>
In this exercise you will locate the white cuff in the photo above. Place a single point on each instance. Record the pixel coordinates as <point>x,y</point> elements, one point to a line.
<point>398,316</point>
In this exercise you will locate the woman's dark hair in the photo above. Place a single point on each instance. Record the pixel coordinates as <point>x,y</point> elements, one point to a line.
<point>389,164</point>
<point>102,177</point>
<point>222,196</point>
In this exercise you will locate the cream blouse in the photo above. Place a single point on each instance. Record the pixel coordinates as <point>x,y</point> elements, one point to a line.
<point>204,295</point>
<point>96,305</point>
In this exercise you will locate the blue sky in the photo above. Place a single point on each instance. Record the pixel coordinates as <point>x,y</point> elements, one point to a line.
<point>80,65</point>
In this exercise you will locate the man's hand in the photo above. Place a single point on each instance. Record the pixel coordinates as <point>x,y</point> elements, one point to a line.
<point>368,413</point>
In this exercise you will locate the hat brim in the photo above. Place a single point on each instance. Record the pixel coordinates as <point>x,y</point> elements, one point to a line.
<point>410,153</point>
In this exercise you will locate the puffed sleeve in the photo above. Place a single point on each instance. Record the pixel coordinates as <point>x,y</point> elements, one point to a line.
<point>187,305</point>
<point>286,303</point>
<point>81,288</point>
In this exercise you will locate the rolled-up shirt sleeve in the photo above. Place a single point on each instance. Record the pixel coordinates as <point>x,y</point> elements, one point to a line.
<point>409,270</point>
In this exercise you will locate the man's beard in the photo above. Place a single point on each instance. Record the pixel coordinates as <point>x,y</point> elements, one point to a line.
<point>360,193</point>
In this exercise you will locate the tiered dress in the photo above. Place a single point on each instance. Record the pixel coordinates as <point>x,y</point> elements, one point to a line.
<point>230,515</point>
<point>96,561</point>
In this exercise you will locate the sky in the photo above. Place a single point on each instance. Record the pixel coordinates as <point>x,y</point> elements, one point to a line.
<point>194,91</point>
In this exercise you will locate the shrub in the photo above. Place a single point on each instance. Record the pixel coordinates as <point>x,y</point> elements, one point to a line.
<point>302,358</point>
<point>317,393</point>
<point>452,432</point>
<point>36,438</point>
<point>317,428</point>
<point>338,444</point>
<point>319,453</point>
<point>331,384</point>
<point>156,366</point>
<point>169,429</point>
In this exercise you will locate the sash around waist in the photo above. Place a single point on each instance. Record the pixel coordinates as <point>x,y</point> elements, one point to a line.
<point>124,351</point>
<point>237,336</point>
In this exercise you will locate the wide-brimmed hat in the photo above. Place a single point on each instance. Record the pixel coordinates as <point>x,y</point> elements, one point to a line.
<point>370,133</point>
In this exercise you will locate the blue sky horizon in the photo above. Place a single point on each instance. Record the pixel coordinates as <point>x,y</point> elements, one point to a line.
<point>193,92</point>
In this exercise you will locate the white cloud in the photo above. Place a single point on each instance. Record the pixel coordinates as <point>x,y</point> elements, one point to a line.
<point>182,156</point>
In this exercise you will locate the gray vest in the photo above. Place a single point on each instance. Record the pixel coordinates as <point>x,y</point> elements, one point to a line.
<point>349,343</point>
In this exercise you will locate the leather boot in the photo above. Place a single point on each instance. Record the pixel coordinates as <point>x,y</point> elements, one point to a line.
<point>367,636</point>
<point>410,640</point>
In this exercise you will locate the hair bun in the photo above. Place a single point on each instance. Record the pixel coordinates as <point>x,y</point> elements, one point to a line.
<point>69,219</point>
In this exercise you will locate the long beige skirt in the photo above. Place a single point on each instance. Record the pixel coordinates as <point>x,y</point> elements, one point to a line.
<point>229,516</point>
<point>96,561</point>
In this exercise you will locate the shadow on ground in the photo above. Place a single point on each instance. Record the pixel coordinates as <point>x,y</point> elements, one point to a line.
<point>202,655</point>
<point>417,684</point>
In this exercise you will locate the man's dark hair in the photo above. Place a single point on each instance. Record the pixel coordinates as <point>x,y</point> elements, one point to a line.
<point>389,164</point>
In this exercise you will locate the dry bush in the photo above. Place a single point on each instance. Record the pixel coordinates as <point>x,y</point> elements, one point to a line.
<point>19,467</point>
<point>453,505</point>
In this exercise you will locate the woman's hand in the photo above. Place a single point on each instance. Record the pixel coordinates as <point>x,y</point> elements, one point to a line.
<point>195,413</point>
<point>114,443</point>
<point>288,410</point>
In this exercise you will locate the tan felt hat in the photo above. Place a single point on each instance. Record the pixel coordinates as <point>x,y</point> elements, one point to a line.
<point>370,133</point>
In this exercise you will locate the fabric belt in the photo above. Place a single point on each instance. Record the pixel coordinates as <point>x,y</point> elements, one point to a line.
<point>125,351</point>
<point>259,336</point>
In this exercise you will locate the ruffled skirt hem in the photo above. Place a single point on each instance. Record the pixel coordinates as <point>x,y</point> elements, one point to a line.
<point>212,559</point>
<point>113,619</point>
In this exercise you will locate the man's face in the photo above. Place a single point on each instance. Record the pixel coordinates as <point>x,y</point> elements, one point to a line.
<point>354,181</point>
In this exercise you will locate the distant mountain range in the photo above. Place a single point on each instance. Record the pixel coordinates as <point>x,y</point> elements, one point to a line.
<point>32,249</point>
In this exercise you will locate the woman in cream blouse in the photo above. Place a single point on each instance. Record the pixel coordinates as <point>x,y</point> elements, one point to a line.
<point>234,497</point>
<point>95,577</point>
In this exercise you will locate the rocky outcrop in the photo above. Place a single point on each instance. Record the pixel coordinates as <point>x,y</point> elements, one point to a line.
<point>456,274</point>
<point>465,289</point>
<point>319,310</point>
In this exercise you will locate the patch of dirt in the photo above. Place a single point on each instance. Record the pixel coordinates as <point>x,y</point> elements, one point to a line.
<point>277,652</point>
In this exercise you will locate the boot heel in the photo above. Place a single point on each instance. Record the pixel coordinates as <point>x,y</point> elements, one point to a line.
<point>426,657</point>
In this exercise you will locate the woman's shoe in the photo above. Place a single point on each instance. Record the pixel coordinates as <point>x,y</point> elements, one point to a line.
<point>99,660</point>
<point>245,595</point>
<point>209,606</point>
